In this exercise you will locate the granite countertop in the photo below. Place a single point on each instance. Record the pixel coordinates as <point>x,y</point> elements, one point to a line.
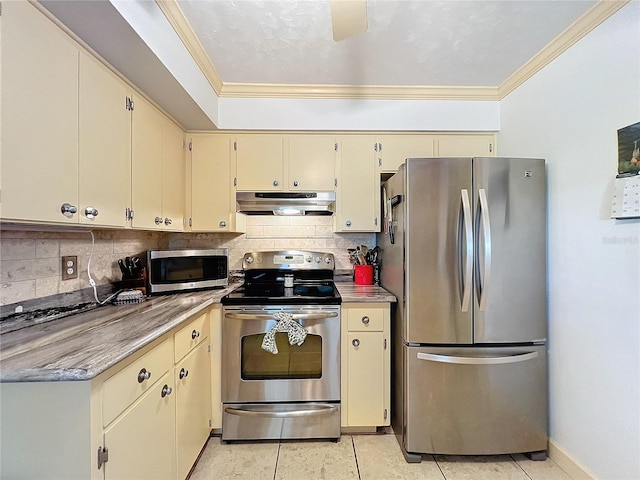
<point>83,345</point>
<point>350,292</point>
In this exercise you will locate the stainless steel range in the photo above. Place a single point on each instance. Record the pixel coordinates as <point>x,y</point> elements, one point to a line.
<point>281,349</point>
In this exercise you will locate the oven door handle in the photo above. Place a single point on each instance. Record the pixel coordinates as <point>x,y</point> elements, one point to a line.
<point>268,316</point>
<point>311,410</point>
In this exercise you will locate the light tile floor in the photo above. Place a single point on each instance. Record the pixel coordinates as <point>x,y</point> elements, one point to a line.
<point>357,457</point>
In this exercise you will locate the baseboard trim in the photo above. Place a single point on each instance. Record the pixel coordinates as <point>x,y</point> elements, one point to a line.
<point>568,463</point>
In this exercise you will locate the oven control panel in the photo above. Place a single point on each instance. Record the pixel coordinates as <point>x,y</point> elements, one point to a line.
<point>288,259</point>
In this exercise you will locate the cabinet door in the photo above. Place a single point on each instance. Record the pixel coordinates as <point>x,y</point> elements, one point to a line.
<point>211,206</point>
<point>39,117</point>
<point>173,175</point>
<point>312,162</point>
<point>469,145</point>
<point>358,192</point>
<point>105,153</point>
<point>193,407</point>
<point>215,317</point>
<point>146,166</point>
<point>141,442</point>
<point>394,149</point>
<point>365,403</point>
<point>260,164</point>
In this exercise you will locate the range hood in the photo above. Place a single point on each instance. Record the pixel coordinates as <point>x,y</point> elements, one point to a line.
<point>286,203</point>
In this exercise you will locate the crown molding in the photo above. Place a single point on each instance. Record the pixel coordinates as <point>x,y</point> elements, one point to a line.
<point>181,25</point>
<point>388,92</point>
<point>572,34</point>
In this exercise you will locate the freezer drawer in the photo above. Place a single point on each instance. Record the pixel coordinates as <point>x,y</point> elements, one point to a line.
<point>475,401</point>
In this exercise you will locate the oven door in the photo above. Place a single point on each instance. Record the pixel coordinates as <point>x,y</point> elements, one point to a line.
<point>297,373</point>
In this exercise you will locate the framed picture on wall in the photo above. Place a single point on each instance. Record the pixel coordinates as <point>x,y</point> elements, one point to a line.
<point>629,150</point>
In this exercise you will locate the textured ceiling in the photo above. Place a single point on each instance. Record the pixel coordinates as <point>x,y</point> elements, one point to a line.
<point>408,42</point>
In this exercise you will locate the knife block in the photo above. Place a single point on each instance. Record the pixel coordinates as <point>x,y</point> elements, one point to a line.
<point>137,283</point>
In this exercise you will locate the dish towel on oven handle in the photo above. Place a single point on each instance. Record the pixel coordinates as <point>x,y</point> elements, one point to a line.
<point>285,323</point>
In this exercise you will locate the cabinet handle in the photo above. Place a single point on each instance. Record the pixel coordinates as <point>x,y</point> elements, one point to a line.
<point>168,221</point>
<point>223,224</point>
<point>365,320</point>
<point>276,183</point>
<point>295,183</point>
<point>68,210</point>
<point>183,373</point>
<point>195,334</point>
<point>355,342</point>
<point>158,220</point>
<point>143,375</point>
<point>91,212</point>
<point>166,390</point>
<point>348,223</point>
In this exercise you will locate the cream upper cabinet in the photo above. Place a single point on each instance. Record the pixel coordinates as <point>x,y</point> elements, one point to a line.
<point>212,195</point>
<point>157,169</point>
<point>466,145</point>
<point>392,150</point>
<point>173,175</point>
<point>365,381</point>
<point>39,171</point>
<point>104,148</point>
<point>312,161</point>
<point>358,190</point>
<point>259,162</point>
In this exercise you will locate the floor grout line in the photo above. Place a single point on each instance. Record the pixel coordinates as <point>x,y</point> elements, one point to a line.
<point>275,470</point>
<point>355,455</point>
<point>438,465</point>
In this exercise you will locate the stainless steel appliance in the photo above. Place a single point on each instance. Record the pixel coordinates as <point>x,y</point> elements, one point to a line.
<point>286,203</point>
<point>294,393</point>
<point>464,251</point>
<point>179,270</point>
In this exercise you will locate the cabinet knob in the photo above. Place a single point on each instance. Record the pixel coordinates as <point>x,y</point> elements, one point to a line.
<point>223,224</point>
<point>166,390</point>
<point>195,334</point>
<point>158,220</point>
<point>355,342</point>
<point>348,223</point>
<point>295,183</point>
<point>91,212</point>
<point>68,210</point>
<point>276,183</point>
<point>168,221</point>
<point>143,375</point>
<point>183,373</point>
<point>365,320</point>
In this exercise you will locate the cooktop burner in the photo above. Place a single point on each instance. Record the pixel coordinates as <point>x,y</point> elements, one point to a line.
<point>288,277</point>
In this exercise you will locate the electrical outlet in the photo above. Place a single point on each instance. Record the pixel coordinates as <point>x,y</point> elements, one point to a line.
<point>69,267</point>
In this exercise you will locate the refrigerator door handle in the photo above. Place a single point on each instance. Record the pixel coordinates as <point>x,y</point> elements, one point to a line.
<point>509,358</point>
<point>465,275</point>
<point>482,284</point>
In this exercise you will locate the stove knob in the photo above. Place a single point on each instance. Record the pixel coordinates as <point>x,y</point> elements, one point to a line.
<point>309,259</point>
<point>327,259</point>
<point>318,259</point>
<point>249,260</point>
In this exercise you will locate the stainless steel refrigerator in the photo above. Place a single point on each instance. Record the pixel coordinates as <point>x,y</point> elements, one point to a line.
<point>463,249</point>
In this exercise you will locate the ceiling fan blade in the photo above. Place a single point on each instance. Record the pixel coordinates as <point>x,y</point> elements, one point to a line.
<point>348,18</point>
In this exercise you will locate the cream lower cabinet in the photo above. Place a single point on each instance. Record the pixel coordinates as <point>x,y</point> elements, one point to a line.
<point>365,387</point>
<point>193,392</point>
<point>215,316</point>
<point>141,442</point>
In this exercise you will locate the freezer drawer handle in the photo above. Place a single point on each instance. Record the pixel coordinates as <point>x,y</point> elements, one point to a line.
<point>514,358</point>
<point>307,411</point>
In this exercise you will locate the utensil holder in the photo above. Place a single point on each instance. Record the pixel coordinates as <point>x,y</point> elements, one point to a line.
<point>363,274</point>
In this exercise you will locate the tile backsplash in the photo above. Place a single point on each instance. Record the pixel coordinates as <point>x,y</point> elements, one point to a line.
<point>30,261</point>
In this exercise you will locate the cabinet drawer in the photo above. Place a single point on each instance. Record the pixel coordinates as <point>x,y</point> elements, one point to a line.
<point>366,318</point>
<point>120,390</point>
<point>191,335</point>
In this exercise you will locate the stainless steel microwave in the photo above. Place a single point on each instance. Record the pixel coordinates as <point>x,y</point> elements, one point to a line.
<point>180,270</point>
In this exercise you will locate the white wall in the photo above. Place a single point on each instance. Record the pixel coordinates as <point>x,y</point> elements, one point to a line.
<point>357,114</point>
<point>568,113</point>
